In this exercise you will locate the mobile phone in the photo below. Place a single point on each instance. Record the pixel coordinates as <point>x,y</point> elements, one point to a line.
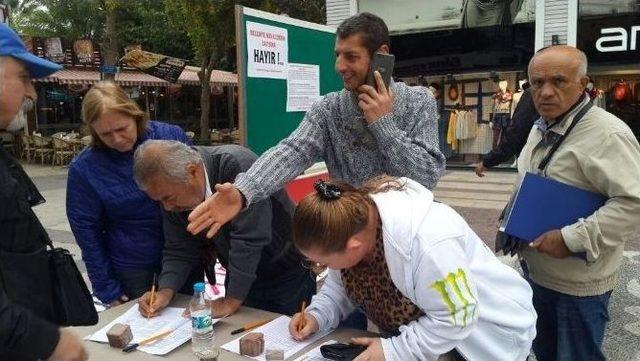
<point>341,351</point>
<point>383,63</point>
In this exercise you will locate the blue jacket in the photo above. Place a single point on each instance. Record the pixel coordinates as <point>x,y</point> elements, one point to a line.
<point>117,226</point>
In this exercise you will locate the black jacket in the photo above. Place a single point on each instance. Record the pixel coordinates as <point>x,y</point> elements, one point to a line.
<point>25,286</point>
<point>516,134</point>
<point>255,247</point>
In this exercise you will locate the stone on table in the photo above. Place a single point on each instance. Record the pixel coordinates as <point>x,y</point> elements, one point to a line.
<point>119,335</point>
<point>252,344</point>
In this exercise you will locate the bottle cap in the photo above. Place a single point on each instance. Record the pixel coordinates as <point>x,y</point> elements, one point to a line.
<point>198,287</point>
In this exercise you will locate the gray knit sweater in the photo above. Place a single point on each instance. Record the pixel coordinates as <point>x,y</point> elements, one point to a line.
<point>402,143</point>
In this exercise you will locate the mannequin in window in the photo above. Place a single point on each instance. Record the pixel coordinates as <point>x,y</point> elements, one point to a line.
<point>489,13</point>
<point>517,95</point>
<point>502,100</point>
<point>596,95</point>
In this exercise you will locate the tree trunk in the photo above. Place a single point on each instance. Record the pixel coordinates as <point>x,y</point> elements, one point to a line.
<point>205,94</point>
<point>110,45</point>
<point>230,100</point>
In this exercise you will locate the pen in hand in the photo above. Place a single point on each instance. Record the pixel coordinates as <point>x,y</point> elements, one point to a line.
<point>152,296</point>
<point>302,322</point>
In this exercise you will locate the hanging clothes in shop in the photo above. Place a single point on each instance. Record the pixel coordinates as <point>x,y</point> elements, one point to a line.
<point>466,125</point>
<point>443,127</point>
<point>501,118</point>
<point>451,131</point>
<point>482,143</point>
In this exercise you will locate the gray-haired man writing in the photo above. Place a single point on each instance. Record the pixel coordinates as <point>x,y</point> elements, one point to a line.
<point>264,270</point>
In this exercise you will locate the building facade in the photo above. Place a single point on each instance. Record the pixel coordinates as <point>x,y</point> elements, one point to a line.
<point>477,54</point>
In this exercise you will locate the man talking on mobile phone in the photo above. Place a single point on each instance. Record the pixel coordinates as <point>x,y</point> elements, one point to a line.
<point>360,132</point>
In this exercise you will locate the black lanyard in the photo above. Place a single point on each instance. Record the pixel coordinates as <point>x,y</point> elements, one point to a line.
<point>555,145</point>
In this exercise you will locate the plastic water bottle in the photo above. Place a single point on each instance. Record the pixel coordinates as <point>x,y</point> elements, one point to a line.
<point>202,340</point>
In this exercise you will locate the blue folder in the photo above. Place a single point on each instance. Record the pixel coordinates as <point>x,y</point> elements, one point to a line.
<point>542,204</point>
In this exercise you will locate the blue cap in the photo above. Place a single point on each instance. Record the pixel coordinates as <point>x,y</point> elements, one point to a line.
<point>11,45</point>
<point>198,287</point>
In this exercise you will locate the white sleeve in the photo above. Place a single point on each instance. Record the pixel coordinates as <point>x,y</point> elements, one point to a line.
<point>446,293</point>
<point>331,305</point>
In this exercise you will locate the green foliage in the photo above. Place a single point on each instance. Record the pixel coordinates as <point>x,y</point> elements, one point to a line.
<point>145,22</point>
<point>187,29</point>
<point>138,22</point>
<point>314,11</point>
<point>73,19</point>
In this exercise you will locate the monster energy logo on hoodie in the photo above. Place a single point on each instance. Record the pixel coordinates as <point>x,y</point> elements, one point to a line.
<point>456,294</point>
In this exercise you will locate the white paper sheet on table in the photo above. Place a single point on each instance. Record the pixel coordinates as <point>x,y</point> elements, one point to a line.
<point>141,328</point>
<point>314,354</point>
<point>276,335</point>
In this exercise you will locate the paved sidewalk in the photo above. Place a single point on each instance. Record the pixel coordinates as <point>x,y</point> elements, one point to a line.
<point>479,200</point>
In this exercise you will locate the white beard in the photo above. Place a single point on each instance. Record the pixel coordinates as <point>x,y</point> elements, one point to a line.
<point>18,122</point>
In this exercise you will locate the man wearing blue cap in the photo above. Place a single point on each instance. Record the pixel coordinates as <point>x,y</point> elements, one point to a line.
<point>26,330</point>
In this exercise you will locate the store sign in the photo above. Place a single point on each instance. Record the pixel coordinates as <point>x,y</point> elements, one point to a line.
<point>84,51</point>
<point>618,39</point>
<point>610,40</point>
<point>158,65</point>
<point>108,69</point>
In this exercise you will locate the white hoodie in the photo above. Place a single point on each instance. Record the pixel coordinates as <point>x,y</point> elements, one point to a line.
<point>472,301</point>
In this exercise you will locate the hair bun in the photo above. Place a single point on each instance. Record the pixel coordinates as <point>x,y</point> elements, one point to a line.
<point>327,191</point>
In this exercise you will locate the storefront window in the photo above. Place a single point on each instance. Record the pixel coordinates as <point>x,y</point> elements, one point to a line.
<point>609,34</point>
<point>59,108</point>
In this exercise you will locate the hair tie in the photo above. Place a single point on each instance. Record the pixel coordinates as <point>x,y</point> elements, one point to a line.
<point>327,191</point>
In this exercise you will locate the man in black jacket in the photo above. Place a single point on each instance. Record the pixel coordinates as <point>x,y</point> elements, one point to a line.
<point>515,135</point>
<point>264,270</point>
<point>27,331</point>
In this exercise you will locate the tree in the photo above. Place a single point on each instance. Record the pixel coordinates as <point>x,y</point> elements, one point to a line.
<point>210,28</point>
<point>73,19</point>
<point>314,11</point>
<point>110,41</point>
<point>144,22</point>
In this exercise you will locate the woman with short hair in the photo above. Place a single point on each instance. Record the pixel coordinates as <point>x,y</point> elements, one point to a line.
<point>118,228</point>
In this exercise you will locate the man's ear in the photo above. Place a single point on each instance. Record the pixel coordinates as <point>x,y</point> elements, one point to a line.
<point>384,49</point>
<point>192,170</point>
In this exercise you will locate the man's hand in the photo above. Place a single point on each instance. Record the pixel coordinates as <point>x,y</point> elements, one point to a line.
<point>310,326</point>
<point>69,348</point>
<point>375,103</point>
<point>224,306</point>
<point>216,210</point>
<point>551,243</point>
<point>161,300</point>
<point>118,301</point>
<point>374,349</point>
<point>480,169</point>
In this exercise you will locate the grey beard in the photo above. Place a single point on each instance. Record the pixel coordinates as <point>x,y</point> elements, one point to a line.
<point>20,120</point>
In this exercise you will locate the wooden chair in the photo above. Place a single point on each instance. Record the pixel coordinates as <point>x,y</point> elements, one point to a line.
<point>28,148</point>
<point>43,147</point>
<point>62,151</point>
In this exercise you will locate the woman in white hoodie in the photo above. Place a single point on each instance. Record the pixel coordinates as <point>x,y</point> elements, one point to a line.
<point>416,269</point>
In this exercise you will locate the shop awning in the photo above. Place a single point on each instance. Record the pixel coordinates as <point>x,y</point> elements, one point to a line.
<point>139,79</point>
<point>76,76</point>
<point>189,76</point>
<point>133,78</point>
